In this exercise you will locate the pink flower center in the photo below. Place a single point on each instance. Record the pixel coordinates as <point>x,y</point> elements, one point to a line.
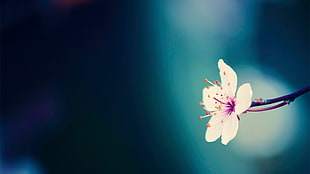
<point>228,106</point>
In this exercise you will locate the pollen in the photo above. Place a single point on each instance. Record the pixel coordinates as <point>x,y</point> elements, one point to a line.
<point>206,80</point>
<point>208,113</point>
<point>200,103</point>
<point>201,117</point>
<point>208,96</point>
<point>215,82</point>
<point>208,125</point>
<point>224,73</point>
<point>208,87</point>
<point>219,107</point>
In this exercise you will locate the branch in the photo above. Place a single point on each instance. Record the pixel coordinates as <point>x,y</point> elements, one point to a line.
<point>287,98</point>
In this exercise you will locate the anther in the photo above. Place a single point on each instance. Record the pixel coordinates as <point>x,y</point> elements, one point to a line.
<point>219,107</point>
<point>208,87</point>
<point>208,125</point>
<point>200,103</point>
<point>215,82</point>
<point>208,113</point>
<point>208,96</point>
<point>203,108</point>
<point>224,73</point>
<point>218,100</point>
<point>212,83</point>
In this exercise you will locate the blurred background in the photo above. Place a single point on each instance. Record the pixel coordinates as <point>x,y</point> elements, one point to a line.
<point>91,86</point>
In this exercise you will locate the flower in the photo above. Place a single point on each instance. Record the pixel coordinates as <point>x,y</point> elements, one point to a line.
<point>223,106</point>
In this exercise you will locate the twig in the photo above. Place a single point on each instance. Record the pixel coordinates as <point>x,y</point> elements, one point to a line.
<point>287,98</point>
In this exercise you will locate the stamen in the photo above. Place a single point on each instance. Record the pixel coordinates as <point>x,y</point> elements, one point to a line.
<point>218,100</point>
<point>219,107</point>
<point>208,125</point>
<point>212,83</point>
<point>215,82</point>
<point>203,116</point>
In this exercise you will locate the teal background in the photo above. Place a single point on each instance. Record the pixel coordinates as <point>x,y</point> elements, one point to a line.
<point>114,86</point>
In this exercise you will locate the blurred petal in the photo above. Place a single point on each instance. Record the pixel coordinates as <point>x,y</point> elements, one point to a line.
<point>228,78</point>
<point>230,129</point>
<point>244,98</point>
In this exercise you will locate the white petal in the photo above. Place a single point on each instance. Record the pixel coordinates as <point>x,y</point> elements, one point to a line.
<point>230,129</point>
<point>216,129</point>
<point>244,98</point>
<point>216,119</point>
<point>208,95</point>
<point>214,132</point>
<point>228,78</point>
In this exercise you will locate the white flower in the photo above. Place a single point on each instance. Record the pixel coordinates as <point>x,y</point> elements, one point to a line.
<point>222,104</point>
